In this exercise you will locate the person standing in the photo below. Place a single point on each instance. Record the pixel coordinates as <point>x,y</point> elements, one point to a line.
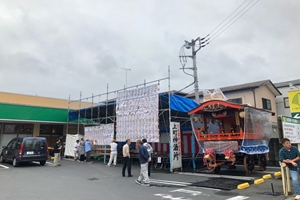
<point>144,160</point>
<point>126,159</point>
<point>56,150</point>
<point>113,153</point>
<point>150,152</point>
<point>289,155</point>
<point>76,150</point>
<point>82,150</point>
<point>88,150</point>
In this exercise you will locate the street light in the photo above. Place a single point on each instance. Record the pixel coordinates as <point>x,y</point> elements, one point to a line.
<point>126,69</point>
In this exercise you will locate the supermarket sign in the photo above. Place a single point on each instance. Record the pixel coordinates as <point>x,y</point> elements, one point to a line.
<point>291,129</point>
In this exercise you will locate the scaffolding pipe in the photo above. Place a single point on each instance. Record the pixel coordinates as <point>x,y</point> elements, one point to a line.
<point>67,129</point>
<point>143,84</point>
<point>79,114</point>
<point>170,142</point>
<point>92,108</point>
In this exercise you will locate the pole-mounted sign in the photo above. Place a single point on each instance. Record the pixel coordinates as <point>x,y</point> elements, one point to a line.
<point>294,100</point>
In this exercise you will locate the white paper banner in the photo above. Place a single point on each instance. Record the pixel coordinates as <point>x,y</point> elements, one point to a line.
<point>137,114</point>
<point>102,135</point>
<point>175,138</point>
<point>291,129</point>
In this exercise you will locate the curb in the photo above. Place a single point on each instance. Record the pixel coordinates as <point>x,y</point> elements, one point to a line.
<point>259,181</point>
<point>243,186</point>
<point>267,176</point>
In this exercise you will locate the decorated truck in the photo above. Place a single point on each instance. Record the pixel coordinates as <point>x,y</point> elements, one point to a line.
<point>228,131</point>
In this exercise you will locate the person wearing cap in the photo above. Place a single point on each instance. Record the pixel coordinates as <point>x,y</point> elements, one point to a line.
<point>113,153</point>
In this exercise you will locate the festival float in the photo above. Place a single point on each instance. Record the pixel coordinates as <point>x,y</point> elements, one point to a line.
<point>228,132</point>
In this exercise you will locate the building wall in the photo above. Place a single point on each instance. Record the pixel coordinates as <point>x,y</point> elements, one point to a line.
<point>246,95</point>
<point>40,101</point>
<point>281,109</point>
<point>264,92</point>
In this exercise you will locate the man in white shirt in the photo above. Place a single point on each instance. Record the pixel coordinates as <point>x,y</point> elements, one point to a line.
<point>113,153</point>
<point>76,152</point>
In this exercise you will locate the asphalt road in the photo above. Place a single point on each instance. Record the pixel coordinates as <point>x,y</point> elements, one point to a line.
<point>80,181</point>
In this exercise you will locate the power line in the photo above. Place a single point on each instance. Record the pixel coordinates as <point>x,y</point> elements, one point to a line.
<point>234,21</point>
<point>233,17</point>
<point>227,17</point>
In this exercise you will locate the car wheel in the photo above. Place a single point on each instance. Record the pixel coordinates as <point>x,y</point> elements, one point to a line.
<point>43,162</point>
<point>2,160</point>
<point>15,162</point>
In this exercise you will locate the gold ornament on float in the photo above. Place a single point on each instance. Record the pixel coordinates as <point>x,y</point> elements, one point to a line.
<point>242,114</point>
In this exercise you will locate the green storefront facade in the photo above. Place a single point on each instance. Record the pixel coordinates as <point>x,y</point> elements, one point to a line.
<point>22,120</point>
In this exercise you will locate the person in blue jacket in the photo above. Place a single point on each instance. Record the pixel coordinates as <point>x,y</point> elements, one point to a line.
<point>144,160</point>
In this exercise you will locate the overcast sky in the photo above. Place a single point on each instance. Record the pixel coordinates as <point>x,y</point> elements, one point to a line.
<point>61,47</point>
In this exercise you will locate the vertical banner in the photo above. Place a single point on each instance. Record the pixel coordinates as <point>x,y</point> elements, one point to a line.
<point>102,135</point>
<point>294,100</point>
<point>137,114</point>
<point>175,146</point>
<point>291,129</point>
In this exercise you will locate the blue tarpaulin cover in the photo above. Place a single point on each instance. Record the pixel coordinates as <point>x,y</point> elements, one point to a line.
<point>180,103</point>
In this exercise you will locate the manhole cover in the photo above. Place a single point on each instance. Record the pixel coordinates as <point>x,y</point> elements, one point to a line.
<point>220,183</point>
<point>93,179</point>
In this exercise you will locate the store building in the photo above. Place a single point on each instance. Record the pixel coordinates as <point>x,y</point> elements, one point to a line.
<point>26,115</point>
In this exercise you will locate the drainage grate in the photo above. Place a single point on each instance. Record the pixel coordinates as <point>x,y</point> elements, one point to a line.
<point>220,183</point>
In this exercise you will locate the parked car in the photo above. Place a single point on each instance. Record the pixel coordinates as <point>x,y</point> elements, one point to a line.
<point>25,149</point>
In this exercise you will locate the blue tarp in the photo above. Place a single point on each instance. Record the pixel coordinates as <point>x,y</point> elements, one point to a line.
<point>180,103</point>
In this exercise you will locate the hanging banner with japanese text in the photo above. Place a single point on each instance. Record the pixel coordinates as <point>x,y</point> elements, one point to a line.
<point>137,114</point>
<point>102,134</point>
<point>291,129</point>
<point>175,145</point>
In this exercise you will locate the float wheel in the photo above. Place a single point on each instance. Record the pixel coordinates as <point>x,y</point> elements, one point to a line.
<point>249,164</point>
<point>262,162</point>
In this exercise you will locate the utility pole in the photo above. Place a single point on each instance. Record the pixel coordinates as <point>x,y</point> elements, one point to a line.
<point>126,69</point>
<point>195,72</point>
<point>200,42</point>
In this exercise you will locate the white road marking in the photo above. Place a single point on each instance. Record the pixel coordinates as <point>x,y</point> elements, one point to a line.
<point>177,183</point>
<point>191,192</point>
<point>167,196</point>
<point>4,167</point>
<point>237,198</point>
<point>186,183</point>
<point>217,176</point>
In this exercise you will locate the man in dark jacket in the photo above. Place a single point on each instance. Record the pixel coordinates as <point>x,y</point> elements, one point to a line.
<point>57,148</point>
<point>144,159</point>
